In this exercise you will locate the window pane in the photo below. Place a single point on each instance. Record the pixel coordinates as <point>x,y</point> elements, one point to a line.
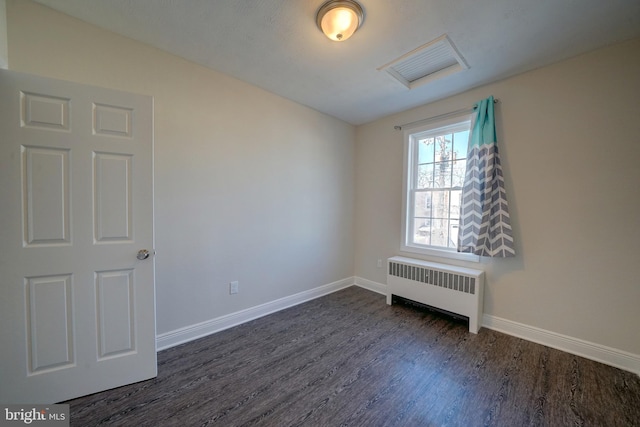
<point>440,204</point>
<point>456,201</point>
<point>443,147</point>
<point>425,150</point>
<point>459,168</point>
<point>442,175</point>
<point>422,231</point>
<point>425,176</point>
<point>422,205</point>
<point>460,144</point>
<point>440,232</point>
<point>453,233</point>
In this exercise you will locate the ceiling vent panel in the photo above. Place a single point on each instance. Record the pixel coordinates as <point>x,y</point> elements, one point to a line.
<point>428,62</point>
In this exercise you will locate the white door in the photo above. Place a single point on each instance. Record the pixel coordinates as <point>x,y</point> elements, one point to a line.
<point>77,307</point>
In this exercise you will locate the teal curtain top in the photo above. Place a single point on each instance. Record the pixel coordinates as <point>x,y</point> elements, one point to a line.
<point>484,128</point>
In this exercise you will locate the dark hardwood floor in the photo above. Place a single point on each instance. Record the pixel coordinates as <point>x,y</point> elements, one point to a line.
<point>348,359</point>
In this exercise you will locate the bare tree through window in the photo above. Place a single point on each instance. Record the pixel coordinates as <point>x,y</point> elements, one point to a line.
<point>439,176</point>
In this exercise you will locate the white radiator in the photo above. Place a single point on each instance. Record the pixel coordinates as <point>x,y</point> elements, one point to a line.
<point>455,289</point>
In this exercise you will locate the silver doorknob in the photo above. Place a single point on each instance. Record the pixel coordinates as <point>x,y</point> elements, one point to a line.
<point>142,254</point>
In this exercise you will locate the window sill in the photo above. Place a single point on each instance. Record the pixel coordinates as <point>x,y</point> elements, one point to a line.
<point>440,253</point>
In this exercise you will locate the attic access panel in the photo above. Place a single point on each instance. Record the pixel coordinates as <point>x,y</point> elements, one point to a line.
<point>429,62</point>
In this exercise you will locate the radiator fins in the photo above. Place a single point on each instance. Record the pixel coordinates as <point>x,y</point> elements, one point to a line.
<point>443,279</point>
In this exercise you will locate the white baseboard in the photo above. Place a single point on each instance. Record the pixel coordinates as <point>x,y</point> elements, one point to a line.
<point>380,288</point>
<point>600,353</point>
<point>199,330</point>
<point>607,355</point>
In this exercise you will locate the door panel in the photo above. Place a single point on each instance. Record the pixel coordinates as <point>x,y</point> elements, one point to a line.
<point>76,205</point>
<point>49,320</point>
<point>115,293</point>
<point>112,195</point>
<point>44,111</point>
<point>46,196</point>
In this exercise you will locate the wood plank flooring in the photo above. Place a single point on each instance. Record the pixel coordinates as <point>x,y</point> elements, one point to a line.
<point>348,359</point>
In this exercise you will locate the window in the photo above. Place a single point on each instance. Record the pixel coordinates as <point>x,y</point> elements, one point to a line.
<point>435,164</point>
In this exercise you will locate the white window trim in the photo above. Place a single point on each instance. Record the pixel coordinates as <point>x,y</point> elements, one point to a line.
<point>405,242</point>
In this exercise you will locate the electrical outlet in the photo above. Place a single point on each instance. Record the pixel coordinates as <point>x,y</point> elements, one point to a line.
<point>379,263</point>
<point>233,288</point>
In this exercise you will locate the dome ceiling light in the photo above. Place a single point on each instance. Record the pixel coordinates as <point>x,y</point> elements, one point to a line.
<point>339,19</point>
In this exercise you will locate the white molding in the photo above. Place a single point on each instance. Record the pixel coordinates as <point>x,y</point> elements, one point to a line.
<point>441,254</point>
<point>370,285</point>
<point>600,353</point>
<point>189,333</point>
<point>603,354</point>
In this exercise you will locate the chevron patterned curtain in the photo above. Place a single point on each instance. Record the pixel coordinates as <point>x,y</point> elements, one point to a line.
<point>485,228</point>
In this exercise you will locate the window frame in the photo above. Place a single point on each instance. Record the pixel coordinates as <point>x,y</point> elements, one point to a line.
<point>411,136</point>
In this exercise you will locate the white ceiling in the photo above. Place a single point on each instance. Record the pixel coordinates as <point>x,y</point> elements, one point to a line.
<point>275,44</point>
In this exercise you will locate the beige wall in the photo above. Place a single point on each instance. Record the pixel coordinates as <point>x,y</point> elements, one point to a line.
<point>255,188</point>
<point>569,136</point>
<point>249,186</point>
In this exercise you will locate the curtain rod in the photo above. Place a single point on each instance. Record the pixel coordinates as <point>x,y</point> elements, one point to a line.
<point>441,116</point>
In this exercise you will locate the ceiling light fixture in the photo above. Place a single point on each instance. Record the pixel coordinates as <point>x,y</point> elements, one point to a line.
<point>339,19</point>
